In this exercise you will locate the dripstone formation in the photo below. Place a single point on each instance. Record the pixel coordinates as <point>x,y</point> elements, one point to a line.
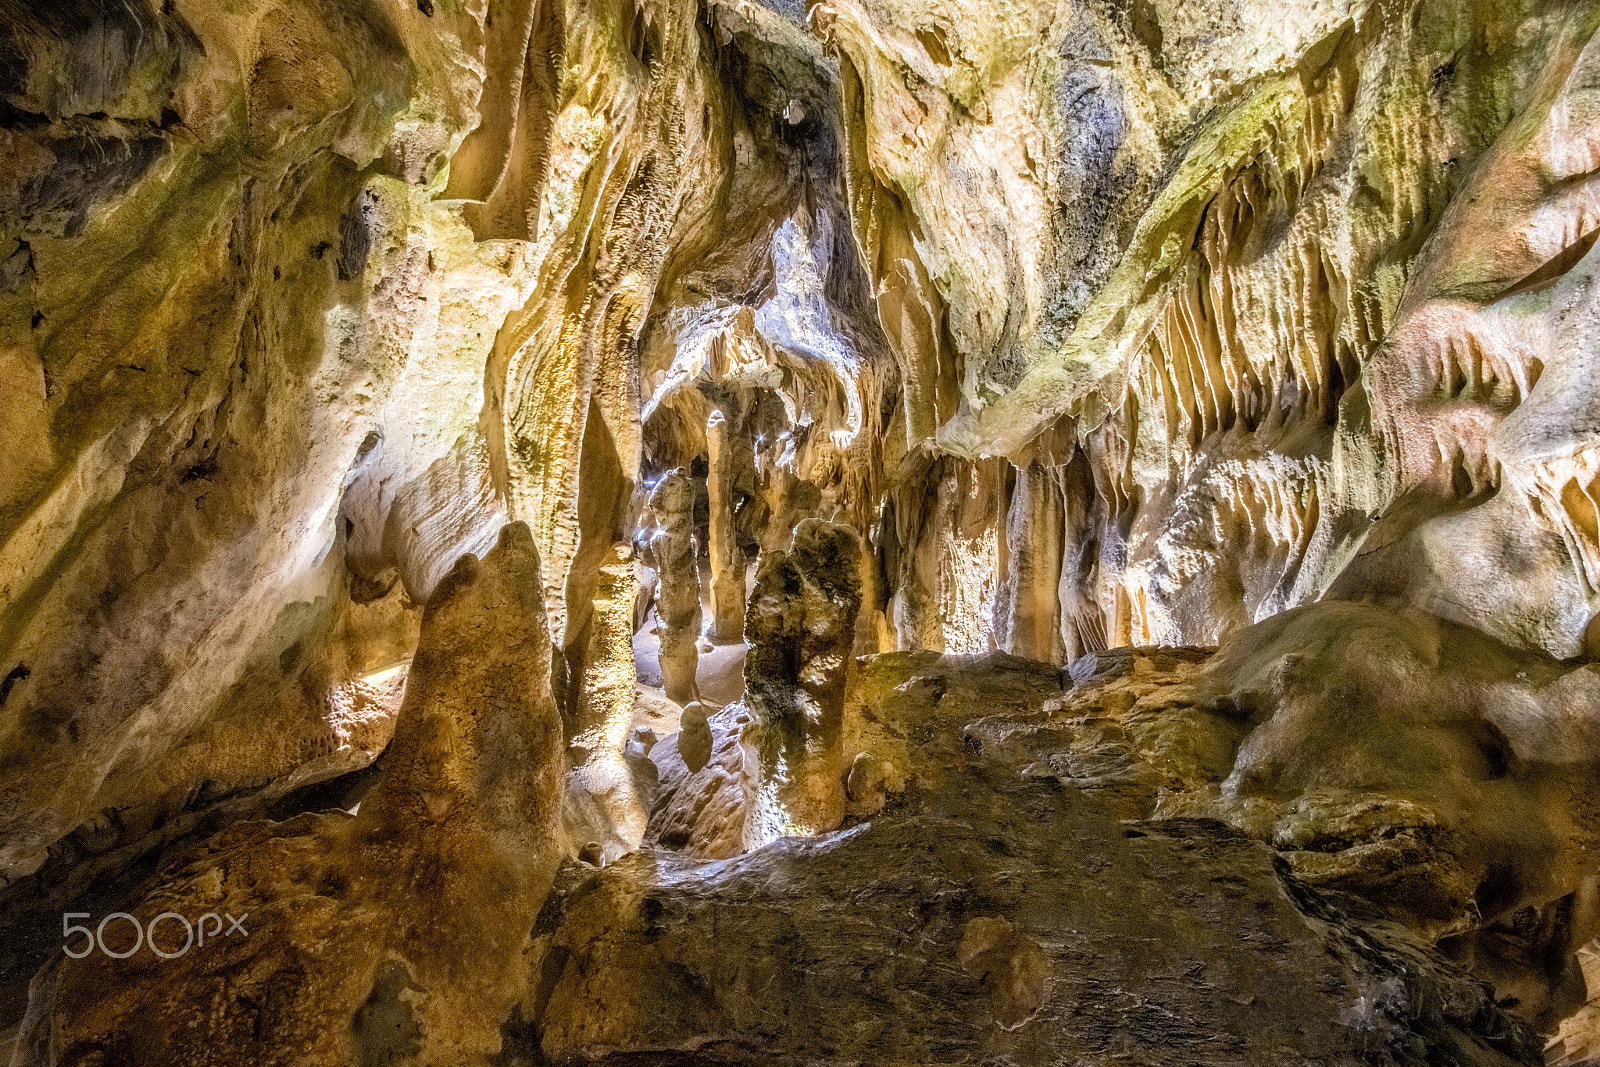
<point>748,531</point>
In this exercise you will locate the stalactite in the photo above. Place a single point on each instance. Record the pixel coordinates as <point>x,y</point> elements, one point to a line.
<point>563,382</point>
<point>910,308</point>
<point>501,165</point>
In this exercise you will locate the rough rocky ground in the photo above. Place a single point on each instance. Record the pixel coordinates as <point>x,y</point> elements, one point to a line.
<point>1006,903</point>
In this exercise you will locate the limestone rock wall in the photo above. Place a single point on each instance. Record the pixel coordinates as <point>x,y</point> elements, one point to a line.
<point>1222,302</point>
<point>242,348</point>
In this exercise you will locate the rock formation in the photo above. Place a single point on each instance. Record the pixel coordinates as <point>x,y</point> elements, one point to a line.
<point>722,546</point>
<point>674,551</point>
<point>800,626</point>
<point>1161,428</point>
<point>395,934</point>
<point>1012,924</point>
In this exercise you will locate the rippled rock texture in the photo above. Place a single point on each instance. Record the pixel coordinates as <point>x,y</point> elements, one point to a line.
<point>812,342</point>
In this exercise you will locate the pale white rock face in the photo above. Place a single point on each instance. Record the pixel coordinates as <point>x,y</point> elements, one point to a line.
<point>797,318</point>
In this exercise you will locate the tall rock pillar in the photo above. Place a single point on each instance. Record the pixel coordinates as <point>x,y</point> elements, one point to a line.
<point>674,550</point>
<point>727,561</point>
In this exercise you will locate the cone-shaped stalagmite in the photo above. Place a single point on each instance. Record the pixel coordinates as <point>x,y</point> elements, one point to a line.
<point>391,936</point>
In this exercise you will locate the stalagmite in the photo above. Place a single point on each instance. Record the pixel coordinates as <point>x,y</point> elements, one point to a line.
<point>674,550</point>
<point>694,737</point>
<point>727,560</point>
<point>391,935</point>
<point>801,625</point>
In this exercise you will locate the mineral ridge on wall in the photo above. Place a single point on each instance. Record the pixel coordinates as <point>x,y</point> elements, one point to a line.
<point>857,368</point>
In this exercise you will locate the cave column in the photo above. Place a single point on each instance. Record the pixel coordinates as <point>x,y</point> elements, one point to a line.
<point>921,510</point>
<point>602,790</point>
<point>674,550</point>
<point>727,561</point>
<point>1027,615</point>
